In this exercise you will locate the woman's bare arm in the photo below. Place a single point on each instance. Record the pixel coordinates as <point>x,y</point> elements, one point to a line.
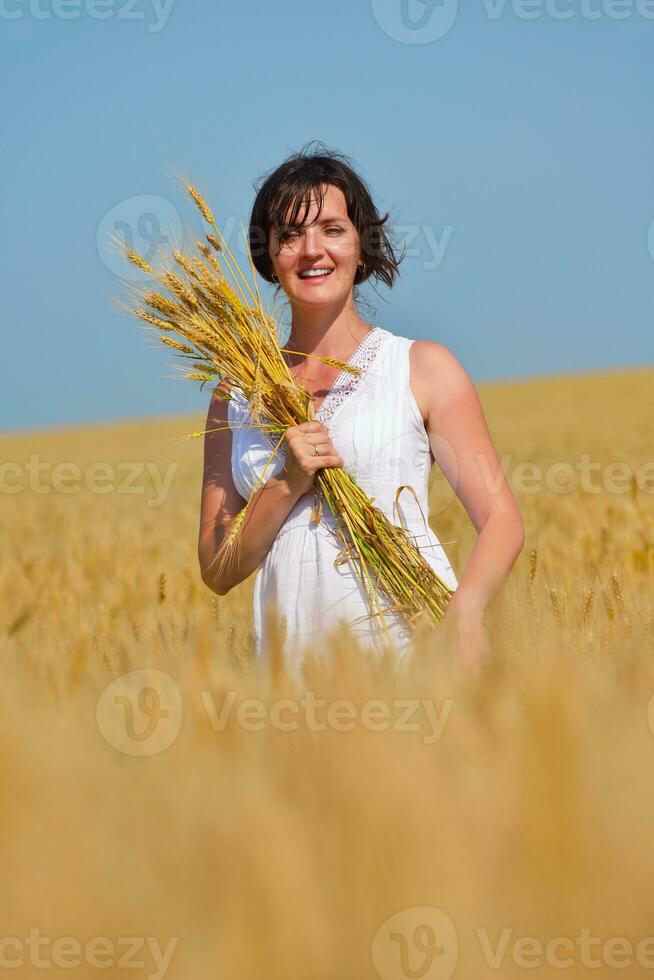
<point>271,503</point>
<point>221,503</point>
<point>463,448</point>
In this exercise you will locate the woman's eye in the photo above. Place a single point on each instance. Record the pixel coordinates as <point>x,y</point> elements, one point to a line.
<point>292,232</point>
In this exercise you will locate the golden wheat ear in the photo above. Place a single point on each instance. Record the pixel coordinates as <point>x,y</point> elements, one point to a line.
<point>227,555</point>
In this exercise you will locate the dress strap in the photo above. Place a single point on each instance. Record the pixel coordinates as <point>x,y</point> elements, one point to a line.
<point>346,383</point>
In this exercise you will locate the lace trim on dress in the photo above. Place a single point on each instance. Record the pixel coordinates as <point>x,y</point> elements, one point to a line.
<point>346,383</point>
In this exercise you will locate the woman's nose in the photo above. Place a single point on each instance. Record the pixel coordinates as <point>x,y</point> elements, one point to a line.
<point>312,244</point>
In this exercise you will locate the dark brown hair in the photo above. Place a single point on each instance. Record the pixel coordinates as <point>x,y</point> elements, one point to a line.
<point>291,185</point>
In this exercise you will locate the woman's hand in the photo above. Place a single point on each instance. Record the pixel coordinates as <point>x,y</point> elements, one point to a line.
<point>302,461</point>
<point>464,628</point>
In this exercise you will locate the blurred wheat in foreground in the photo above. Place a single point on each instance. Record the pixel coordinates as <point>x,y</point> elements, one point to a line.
<point>415,822</point>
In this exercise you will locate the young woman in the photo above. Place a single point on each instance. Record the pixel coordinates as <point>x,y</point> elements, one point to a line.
<point>315,231</point>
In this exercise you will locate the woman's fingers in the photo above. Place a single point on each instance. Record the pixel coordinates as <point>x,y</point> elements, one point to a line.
<point>302,460</point>
<point>313,434</point>
<point>326,455</point>
<point>330,459</point>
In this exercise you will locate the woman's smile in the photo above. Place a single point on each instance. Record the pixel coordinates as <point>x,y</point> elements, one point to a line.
<point>315,275</point>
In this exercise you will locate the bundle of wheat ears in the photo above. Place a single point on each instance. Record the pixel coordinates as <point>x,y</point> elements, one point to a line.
<point>226,333</point>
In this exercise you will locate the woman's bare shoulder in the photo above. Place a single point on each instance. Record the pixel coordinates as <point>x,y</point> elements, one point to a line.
<point>436,376</point>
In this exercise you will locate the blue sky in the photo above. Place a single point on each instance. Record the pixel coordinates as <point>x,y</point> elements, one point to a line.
<point>510,142</point>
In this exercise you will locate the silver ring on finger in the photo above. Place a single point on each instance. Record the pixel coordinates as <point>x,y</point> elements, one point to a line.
<point>315,449</point>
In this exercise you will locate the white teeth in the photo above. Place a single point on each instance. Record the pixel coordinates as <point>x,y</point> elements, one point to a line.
<point>312,273</point>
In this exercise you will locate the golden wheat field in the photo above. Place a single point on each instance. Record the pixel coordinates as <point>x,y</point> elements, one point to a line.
<point>389,820</point>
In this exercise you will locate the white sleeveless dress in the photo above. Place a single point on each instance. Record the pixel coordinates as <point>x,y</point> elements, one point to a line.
<point>376,427</point>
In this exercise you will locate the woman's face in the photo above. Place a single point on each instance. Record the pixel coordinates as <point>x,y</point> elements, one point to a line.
<point>330,243</point>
